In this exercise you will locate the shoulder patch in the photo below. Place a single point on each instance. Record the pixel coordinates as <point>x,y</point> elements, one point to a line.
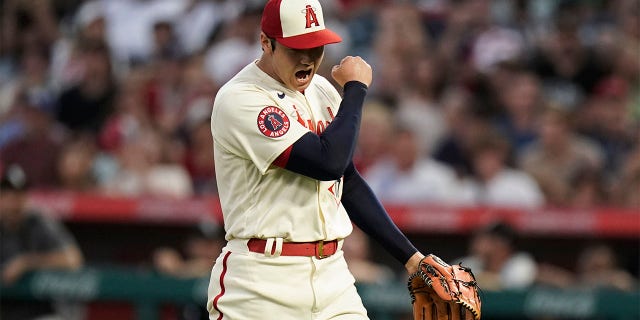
<point>273,122</point>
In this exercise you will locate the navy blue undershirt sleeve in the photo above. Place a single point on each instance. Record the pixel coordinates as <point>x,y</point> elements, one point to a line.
<point>368,214</point>
<point>326,156</point>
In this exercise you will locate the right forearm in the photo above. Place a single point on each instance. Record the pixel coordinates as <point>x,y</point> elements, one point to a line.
<point>340,137</point>
<point>326,156</point>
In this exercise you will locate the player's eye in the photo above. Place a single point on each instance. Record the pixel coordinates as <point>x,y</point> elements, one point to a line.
<point>317,52</point>
<point>313,53</point>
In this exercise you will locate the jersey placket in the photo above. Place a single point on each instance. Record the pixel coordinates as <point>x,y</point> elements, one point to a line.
<point>319,193</point>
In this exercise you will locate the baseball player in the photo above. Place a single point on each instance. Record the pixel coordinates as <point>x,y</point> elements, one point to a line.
<point>283,146</point>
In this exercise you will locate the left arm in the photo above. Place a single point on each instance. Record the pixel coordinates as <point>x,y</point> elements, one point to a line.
<point>67,258</point>
<point>54,248</point>
<point>368,214</point>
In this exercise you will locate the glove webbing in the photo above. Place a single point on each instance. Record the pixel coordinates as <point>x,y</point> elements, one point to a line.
<point>428,282</point>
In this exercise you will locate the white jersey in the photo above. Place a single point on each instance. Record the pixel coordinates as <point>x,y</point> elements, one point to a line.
<point>254,119</point>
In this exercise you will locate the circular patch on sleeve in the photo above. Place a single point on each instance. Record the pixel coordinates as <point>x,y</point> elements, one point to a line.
<point>273,122</point>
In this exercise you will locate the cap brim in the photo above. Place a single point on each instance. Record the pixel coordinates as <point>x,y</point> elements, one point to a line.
<point>310,40</point>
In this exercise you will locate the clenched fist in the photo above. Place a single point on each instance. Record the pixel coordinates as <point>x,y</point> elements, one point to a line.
<point>352,69</point>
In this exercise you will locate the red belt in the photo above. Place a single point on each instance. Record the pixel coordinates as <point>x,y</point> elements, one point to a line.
<point>319,249</point>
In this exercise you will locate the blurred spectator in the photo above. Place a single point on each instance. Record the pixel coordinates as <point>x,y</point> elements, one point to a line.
<point>395,24</point>
<point>85,106</point>
<point>30,87</point>
<point>179,93</point>
<point>32,80</point>
<point>130,26</point>
<point>374,138</point>
<point>407,176</point>
<point>520,100</point>
<point>206,16</point>
<point>359,19</point>
<point>627,68</point>
<point>465,22</point>
<point>357,251</point>
<point>130,116</point>
<point>165,44</point>
<point>89,22</point>
<point>30,241</point>
<point>88,25</point>
<point>198,159</point>
<point>598,267</point>
<point>587,189</point>
<point>463,125</point>
<point>399,38</point>
<point>628,19</point>
<point>240,37</point>
<point>496,184</point>
<point>551,275</point>
<point>555,157</point>
<point>419,107</point>
<point>75,165</point>
<point>392,82</point>
<point>494,45</point>
<point>496,261</point>
<point>194,260</point>
<point>165,93</point>
<point>37,145</point>
<point>26,24</point>
<point>622,190</point>
<point>199,91</point>
<point>605,118</point>
<point>146,165</point>
<point>569,70</point>
<point>132,161</point>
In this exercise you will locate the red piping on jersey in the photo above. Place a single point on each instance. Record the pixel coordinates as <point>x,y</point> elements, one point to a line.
<point>331,113</point>
<point>224,272</point>
<point>282,160</point>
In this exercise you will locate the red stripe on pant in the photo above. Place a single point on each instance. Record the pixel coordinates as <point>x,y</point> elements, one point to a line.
<point>222,274</point>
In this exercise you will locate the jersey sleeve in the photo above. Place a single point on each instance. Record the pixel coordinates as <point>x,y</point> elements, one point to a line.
<point>48,235</point>
<point>251,125</point>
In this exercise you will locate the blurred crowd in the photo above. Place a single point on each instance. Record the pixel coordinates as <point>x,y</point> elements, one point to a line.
<point>499,262</point>
<point>474,102</point>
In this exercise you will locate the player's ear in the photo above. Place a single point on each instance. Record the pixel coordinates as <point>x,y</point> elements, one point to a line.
<point>267,44</point>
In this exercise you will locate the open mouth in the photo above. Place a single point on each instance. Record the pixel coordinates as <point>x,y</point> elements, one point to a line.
<point>303,75</point>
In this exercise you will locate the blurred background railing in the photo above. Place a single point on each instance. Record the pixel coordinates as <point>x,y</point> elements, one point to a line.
<point>99,208</point>
<point>147,293</point>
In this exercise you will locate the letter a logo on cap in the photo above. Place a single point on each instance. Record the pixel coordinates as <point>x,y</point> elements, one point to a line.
<point>311,17</point>
<point>282,20</point>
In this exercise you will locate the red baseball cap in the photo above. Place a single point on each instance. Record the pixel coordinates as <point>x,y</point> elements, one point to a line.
<point>297,24</point>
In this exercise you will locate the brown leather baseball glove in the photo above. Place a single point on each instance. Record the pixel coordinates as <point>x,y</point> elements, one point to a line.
<point>443,292</point>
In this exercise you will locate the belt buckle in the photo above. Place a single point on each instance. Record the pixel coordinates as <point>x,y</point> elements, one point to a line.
<point>320,250</point>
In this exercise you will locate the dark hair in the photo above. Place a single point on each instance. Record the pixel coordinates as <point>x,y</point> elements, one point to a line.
<point>491,140</point>
<point>502,230</point>
<point>273,44</point>
<point>206,230</point>
<point>589,175</point>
